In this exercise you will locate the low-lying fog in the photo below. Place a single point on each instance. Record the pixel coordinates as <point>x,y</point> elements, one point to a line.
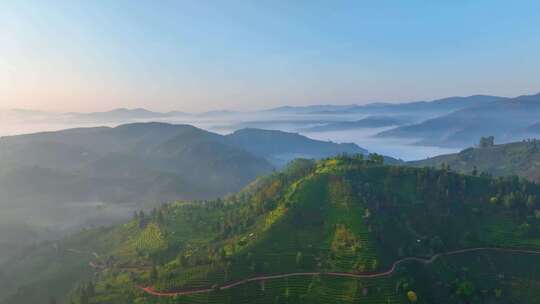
<point>21,225</point>
<point>223,124</point>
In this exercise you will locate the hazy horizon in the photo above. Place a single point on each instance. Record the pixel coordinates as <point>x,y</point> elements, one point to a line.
<point>150,108</point>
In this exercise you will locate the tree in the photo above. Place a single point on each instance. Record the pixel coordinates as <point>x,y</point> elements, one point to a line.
<point>83,296</point>
<point>367,213</point>
<point>160,218</point>
<point>154,273</point>
<point>465,289</point>
<point>412,297</point>
<point>485,174</point>
<point>375,158</point>
<point>299,258</point>
<point>486,142</point>
<point>90,289</point>
<point>359,157</point>
<point>509,200</point>
<point>142,220</point>
<point>222,254</point>
<point>531,201</point>
<point>436,244</point>
<point>524,229</point>
<point>445,167</point>
<point>374,264</point>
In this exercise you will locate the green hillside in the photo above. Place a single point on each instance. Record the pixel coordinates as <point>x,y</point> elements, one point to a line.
<point>519,158</point>
<point>341,230</point>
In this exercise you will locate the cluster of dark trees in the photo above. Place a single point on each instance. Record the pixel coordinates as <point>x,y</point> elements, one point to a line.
<point>370,159</point>
<point>486,142</point>
<point>156,215</point>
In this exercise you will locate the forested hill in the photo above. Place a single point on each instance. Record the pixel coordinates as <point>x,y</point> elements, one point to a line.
<point>341,230</point>
<point>519,158</point>
<point>281,147</point>
<point>173,161</point>
<point>129,163</point>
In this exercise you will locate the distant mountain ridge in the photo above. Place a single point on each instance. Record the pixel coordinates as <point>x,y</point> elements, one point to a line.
<point>365,123</point>
<point>121,114</point>
<point>168,148</point>
<point>534,128</point>
<point>436,105</point>
<point>505,119</point>
<point>443,105</point>
<point>453,122</point>
<point>281,147</point>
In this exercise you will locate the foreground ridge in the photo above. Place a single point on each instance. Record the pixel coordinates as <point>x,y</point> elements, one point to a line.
<point>389,272</point>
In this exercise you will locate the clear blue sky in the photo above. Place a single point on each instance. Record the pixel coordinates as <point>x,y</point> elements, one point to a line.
<point>203,55</point>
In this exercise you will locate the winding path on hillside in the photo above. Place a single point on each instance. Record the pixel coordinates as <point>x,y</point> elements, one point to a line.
<point>389,272</point>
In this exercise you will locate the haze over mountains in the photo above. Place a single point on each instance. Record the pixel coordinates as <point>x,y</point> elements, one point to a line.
<point>454,122</point>
<point>54,183</point>
<point>365,123</point>
<point>60,181</point>
<point>506,119</point>
<point>104,173</point>
<point>438,106</point>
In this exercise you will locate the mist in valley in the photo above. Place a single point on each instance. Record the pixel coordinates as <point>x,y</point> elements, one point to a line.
<point>29,217</point>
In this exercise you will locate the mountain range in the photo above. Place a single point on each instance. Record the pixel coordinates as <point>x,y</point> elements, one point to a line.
<point>122,113</point>
<point>281,147</point>
<point>454,122</point>
<point>434,107</point>
<point>507,119</point>
<point>160,151</point>
<point>437,106</point>
<point>364,123</point>
<point>61,181</point>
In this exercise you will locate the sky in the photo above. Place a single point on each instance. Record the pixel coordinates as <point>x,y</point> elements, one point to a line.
<point>245,55</point>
